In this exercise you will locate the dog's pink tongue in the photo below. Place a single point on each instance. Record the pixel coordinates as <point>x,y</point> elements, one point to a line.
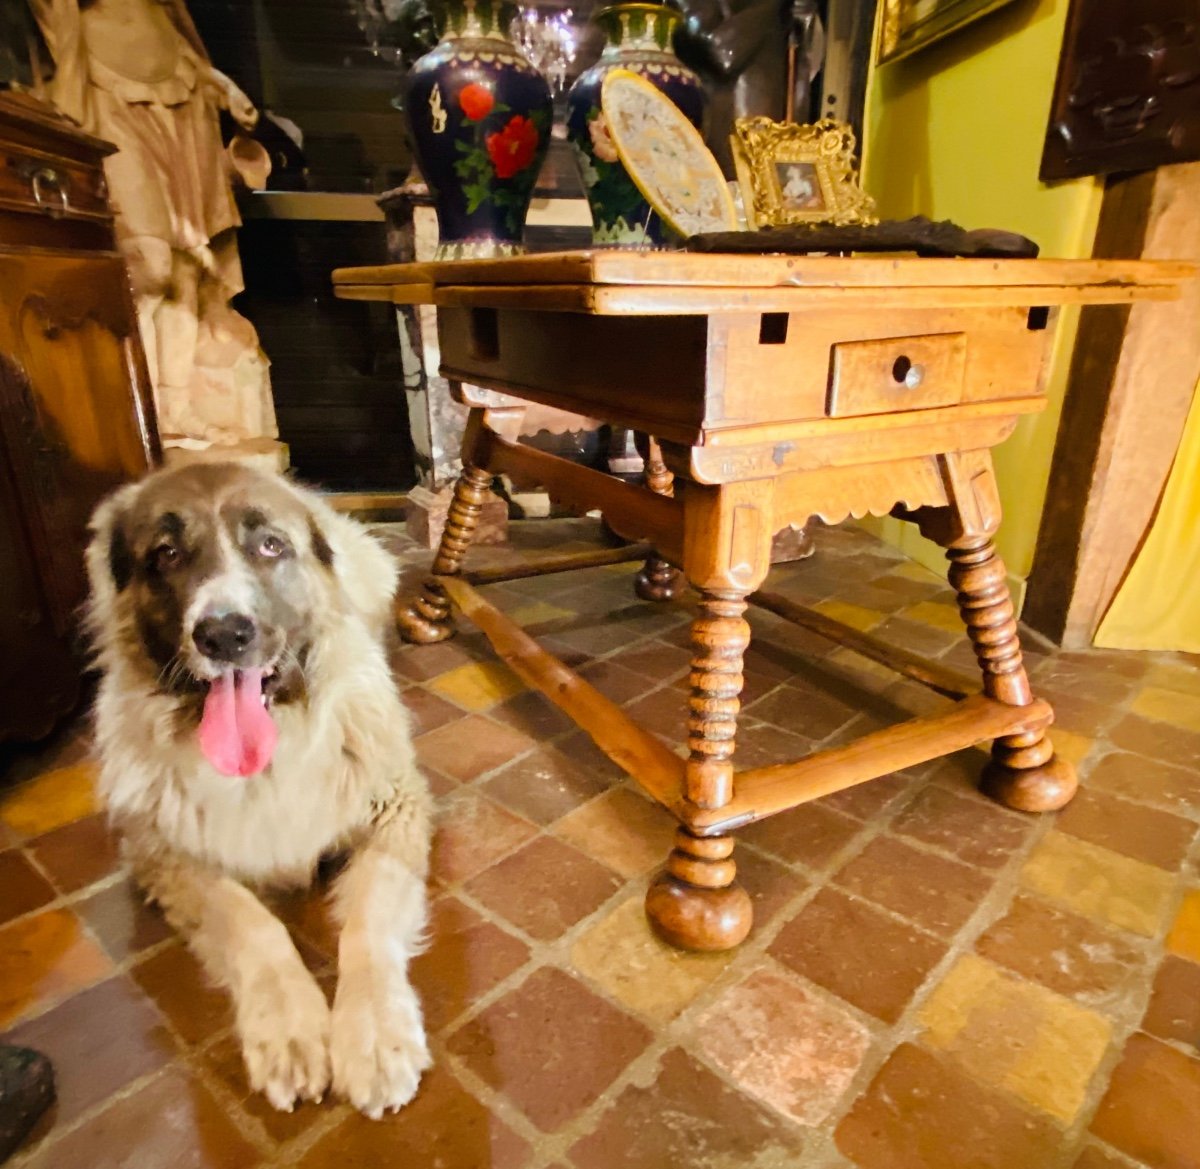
<point>237,735</point>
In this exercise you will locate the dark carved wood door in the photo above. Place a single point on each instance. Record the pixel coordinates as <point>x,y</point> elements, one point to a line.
<point>1128,91</point>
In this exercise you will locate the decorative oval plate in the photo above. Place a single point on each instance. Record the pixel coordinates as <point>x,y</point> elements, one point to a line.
<point>665,156</point>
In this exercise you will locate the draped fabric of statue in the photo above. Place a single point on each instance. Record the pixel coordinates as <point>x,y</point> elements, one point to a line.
<point>135,73</point>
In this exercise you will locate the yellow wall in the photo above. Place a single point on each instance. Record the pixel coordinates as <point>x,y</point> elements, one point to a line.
<point>955,132</point>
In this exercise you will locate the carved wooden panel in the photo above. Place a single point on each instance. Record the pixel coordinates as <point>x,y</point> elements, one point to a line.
<point>71,426</point>
<point>1128,90</point>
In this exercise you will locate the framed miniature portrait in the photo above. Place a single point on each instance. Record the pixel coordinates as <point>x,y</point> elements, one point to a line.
<point>791,173</point>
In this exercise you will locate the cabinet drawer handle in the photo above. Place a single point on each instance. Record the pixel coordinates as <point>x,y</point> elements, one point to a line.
<point>907,373</point>
<point>45,177</point>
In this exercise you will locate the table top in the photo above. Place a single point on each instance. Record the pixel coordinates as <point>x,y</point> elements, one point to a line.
<point>618,282</point>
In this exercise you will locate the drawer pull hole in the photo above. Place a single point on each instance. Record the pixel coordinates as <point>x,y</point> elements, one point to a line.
<point>773,329</point>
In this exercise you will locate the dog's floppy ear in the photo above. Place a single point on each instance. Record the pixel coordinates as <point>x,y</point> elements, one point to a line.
<point>364,569</point>
<point>109,554</point>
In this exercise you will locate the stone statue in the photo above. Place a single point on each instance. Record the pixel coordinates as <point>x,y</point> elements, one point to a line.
<point>745,50</point>
<point>135,73</point>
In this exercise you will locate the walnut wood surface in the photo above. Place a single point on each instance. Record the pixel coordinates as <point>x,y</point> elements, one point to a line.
<point>644,757</point>
<point>756,441</point>
<point>834,272</point>
<point>76,412</point>
<point>658,580</point>
<point>766,791</point>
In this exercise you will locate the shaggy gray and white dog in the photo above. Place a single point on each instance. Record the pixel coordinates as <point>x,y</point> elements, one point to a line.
<point>247,725</point>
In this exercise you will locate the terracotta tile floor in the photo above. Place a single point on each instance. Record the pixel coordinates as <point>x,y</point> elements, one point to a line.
<point>933,981</point>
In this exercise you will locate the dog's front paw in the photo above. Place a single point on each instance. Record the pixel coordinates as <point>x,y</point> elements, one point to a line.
<point>283,1021</point>
<point>378,1046</point>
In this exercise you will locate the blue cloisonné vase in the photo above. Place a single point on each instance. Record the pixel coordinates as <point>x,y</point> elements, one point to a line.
<point>638,38</point>
<point>479,117</point>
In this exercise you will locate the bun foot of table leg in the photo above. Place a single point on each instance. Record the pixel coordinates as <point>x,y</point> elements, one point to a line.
<point>418,625</point>
<point>1044,788</point>
<point>698,919</point>
<point>658,581</point>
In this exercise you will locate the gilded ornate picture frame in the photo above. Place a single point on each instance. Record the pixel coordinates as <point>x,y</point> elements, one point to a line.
<point>792,173</point>
<point>909,25</point>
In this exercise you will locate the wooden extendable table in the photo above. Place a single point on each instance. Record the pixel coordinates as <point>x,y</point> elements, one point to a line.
<point>775,389</point>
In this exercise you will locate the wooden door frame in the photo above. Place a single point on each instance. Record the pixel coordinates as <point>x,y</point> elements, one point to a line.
<point>1133,374</point>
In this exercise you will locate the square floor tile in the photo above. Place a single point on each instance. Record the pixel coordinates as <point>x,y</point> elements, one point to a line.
<point>1099,883</point>
<point>783,1045</point>
<point>1174,1009</point>
<point>936,893</point>
<point>824,943</point>
<point>78,854</point>
<point>545,887</point>
<point>476,686</point>
<point>545,785</point>
<point>445,1127</point>
<point>466,958</point>
<point>621,829</point>
<point>50,800</point>
<point>22,888</point>
<point>970,827</point>
<point>1065,952</point>
<point>1158,740</point>
<point>472,833</point>
<point>1146,834</point>
<point>173,1121</point>
<point>1151,1110</point>
<point>1016,1035</point>
<point>810,835</point>
<point>556,1069</point>
<point>175,981</point>
<point>470,747</point>
<point>99,1041</point>
<point>1148,781</point>
<point>921,1112</point>
<point>623,956</point>
<point>44,958</point>
<point>686,1116</point>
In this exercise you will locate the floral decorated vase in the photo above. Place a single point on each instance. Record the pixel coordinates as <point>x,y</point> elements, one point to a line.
<point>479,115</point>
<point>638,39</point>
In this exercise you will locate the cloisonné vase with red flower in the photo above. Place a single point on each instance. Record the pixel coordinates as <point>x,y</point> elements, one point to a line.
<point>638,38</point>
<point>479,116</point>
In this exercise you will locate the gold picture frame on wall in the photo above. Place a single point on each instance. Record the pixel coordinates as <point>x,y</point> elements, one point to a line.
<point>791,173</point>
<point>909,25</point>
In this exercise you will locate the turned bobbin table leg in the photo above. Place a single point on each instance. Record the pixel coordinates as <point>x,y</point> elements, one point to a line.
<point>1024,772</point>
<point>657,580</point>
<point>426,618</point>
<point>696,903</point>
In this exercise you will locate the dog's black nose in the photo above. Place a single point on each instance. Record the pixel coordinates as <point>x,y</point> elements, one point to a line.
<point>224,639</point>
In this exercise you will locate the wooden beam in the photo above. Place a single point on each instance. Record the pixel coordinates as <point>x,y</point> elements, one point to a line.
<point>945,681</point>
<point>767,790</point>
<point>631,747</point>
<point>1133,374</point>
<point>631,510</point>
<point>563,562</point>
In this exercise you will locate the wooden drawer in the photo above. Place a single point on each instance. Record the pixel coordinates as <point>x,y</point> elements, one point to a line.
<point>43,184</point>
<point>894,374</point>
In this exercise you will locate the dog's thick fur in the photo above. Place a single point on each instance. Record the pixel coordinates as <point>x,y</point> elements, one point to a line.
<point>203,844</point>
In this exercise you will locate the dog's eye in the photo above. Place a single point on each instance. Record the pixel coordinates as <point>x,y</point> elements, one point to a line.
<point>164,557</point>
<point>271,546</point>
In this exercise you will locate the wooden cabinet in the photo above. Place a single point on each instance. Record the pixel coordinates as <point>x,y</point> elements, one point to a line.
<point>76,413</point>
